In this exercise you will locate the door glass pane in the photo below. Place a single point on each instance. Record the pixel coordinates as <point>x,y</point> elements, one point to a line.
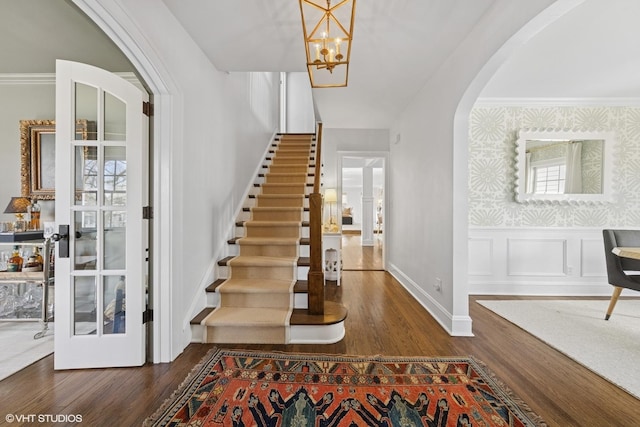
<point>115,226</point>
<point>86,103</point>
<point>115,118</point>
<point>85,241</point>
<point>86,176</point>
<point>114,305</point>
<point>84,312</point>
<point>115,176</point>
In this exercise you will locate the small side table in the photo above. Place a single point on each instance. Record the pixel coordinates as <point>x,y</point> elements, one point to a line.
<point>332,262</point>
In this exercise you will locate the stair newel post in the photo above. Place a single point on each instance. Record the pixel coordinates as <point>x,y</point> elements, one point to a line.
<point>316,274</point>
<point>315,278</point>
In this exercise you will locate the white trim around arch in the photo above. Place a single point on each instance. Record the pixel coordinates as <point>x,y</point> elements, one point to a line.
<point>460,149</point>
<point>117,25</point>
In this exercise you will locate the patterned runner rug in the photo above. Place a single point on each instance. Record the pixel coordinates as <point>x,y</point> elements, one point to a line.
<point>246,388</point>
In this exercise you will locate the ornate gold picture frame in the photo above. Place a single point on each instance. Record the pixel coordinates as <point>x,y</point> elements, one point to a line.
<point>37,156</point>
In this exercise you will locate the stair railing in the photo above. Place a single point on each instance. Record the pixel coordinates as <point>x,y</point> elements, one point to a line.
<point>315,278</point>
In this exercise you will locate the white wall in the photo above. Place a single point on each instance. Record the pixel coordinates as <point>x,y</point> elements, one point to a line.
<point>300,114</point>
<point>24,101</point>
<point>335,141</point>
<point>427,201</point>
<point>564,236</point>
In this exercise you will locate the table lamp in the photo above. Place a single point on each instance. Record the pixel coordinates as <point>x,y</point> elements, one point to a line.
<point>331,197</point>
<point>18,206</point>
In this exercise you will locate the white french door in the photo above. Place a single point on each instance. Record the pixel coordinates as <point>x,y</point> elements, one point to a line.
<point>101,188</point>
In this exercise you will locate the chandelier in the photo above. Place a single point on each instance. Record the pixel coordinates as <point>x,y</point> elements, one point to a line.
<point>328,33</point>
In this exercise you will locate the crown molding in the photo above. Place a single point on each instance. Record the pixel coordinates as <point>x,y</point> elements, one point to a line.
<point>27,78</point>
<point>558,102</point>
<point>48,78</point>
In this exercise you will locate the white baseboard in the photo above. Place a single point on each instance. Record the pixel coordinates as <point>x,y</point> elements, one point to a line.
<point>454,325</point>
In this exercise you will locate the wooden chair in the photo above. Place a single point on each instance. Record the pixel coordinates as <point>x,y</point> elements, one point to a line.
<point>618,268</point>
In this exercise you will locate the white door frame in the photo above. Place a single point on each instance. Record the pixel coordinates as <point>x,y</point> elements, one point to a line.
<point>385,167</point>
<point>166,122</point>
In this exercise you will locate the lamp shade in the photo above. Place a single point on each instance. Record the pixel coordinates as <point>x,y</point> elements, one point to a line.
<point>330,195</point>
<point>18,205</point>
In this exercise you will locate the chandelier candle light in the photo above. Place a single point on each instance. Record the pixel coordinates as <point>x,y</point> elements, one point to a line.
<point>328,33</point>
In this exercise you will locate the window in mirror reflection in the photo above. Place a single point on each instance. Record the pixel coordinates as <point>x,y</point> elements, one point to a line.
<point>564,166</point>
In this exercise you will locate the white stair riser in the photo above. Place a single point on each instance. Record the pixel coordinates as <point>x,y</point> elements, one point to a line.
<point>246,216</point>
<point>262,179</point>
<point>298,334</point>
<point>256,190</point>
<point>223,272</point>
<point>234,250</point>
<point>300,300</point>
<point>213,299</point>
<point>251,202</point>
<point>304,232</point>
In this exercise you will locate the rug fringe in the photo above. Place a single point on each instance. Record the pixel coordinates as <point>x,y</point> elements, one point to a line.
<point>159,414</point>
<point>522,405</point>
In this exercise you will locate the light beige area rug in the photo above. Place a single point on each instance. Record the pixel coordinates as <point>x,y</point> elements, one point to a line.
<point>19,349</point>
<point>577,328</point>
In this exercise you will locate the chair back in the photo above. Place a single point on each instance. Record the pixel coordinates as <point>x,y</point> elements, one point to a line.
<point>617,265</point>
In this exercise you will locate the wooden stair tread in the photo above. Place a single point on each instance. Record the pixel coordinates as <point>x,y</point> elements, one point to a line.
<point>301,286</point>
<point>200,316</point>
<point>241,223</point>
<point>253,196</point>
<point>262,175</point>
<point>333,313</point>
<point>302,241</point>
<point>248,209</point>
<point>311,165</point>
<point>308,184</point>
<point>302,261</point>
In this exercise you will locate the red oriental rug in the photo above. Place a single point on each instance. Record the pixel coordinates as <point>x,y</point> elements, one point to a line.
<point>247,388</point>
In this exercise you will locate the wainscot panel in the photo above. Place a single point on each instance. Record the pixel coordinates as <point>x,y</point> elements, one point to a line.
<point>537,261</point>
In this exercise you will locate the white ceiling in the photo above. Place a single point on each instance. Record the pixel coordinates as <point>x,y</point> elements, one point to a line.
<point>591,52</point>
<point>411,36</point>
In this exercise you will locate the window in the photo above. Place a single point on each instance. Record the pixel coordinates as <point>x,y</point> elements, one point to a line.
<point>549,179</point>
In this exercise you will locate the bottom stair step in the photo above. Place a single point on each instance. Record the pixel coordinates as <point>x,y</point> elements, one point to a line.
<point>333,313</point>
<point>304,328</point>
<point>240,324</point>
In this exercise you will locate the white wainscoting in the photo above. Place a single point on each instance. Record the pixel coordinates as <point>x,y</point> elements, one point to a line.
<point>537,261</point>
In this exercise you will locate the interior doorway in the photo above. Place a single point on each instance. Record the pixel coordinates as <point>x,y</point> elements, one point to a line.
<point>362,201</point>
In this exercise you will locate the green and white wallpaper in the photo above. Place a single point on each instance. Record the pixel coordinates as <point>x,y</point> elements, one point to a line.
<point>493,132</point>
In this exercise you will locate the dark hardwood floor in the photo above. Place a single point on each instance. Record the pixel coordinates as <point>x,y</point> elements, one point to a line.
<point>383,319</point>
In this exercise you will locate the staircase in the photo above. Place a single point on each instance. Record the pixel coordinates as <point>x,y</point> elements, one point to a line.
<point>261,296</point>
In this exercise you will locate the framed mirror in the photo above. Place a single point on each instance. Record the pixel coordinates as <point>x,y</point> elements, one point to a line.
<point>38,156</point>
<point>564,166</point>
